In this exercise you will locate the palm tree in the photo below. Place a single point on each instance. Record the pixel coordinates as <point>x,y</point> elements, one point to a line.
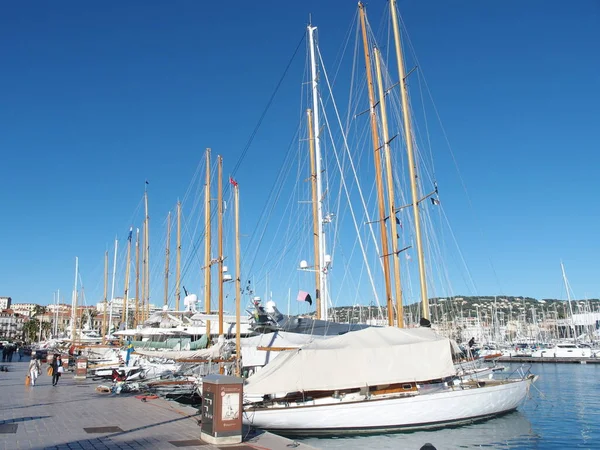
<point>39,309</point>
<point>46,329</point>
<point>31,329</point>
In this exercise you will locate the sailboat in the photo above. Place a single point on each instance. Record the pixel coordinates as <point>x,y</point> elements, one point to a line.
<point>378,379</point>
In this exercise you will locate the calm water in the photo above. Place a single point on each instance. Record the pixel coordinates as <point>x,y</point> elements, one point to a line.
<point>563,412</point>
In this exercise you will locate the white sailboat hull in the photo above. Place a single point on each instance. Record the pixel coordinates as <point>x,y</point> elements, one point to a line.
<point>452,407</point>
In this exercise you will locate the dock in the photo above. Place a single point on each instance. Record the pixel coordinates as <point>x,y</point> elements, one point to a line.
<point>531,359</point>
<point>73,415</point>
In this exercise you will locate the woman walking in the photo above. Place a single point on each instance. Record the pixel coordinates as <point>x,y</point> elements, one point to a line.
<point>34,369</point>
<point>56,369</point>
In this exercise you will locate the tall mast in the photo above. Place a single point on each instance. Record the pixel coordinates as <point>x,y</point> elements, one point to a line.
<point>105,296</point>
<point>74,303</point>
<point>207,241</point>
<point>238,288</point>
<point>411,161</point>
<point>220,237</point>
<point>377,160</point>
<point>315,201</point>
<point>142,311</point>
<point>147,277</point>
<point>390,191</point>
<point>127,269</point>
<point>167,251</point>
<point>322,294</point>
<point>136,317</point>
<point>178,259</point>
<point>112,290</point>
<point>564,274</point>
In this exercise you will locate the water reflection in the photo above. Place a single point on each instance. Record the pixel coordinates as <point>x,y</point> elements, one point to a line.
<point>509,431</point>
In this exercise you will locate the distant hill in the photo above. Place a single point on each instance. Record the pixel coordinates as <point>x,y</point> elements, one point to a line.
<point>502,306</point>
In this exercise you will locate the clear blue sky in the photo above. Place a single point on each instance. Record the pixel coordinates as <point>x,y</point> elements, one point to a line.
<point>96,98</point>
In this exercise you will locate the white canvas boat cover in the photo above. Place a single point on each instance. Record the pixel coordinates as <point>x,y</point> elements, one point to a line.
<point>204,353</point>
<point>252,357</point>
<point>373,356</point>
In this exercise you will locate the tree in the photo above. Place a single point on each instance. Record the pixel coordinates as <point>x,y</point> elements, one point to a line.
<point>46,329</point>
<point>39,309</point>
<point>31,329</point>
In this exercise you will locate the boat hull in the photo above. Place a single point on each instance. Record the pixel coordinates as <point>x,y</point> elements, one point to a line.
<point>429,411</point>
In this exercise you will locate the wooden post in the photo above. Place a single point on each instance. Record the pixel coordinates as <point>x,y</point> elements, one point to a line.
<point>207,241</point>
<point>411,162</point>
<point>377,159</point>
<point>136,318</point>
<point>220,239</point>
<point>127,270</point>
<point>238,279</point>
<point>167,251</point>
<point>390,192</point>
<point>178,259</point>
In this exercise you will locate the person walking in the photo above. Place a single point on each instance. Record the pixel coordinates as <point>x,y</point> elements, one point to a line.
<point>34,369</point>
<point>21,352</point>
<point>56,369</point>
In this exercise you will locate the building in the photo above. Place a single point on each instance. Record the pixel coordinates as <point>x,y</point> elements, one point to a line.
<point>62,307</point>
<point>5,303</point>
<point>11,324</point>
<point>117,305</point>
<point>26,309</point>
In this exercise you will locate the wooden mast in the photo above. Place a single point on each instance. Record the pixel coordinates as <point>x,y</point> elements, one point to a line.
<point>390,191</point>
<point>178,259</point>
<point>238,301</point>
<point>167,254</point>
<point>220,237</point>
<point>411,162</point>
<point>136,316</point>
<point>147,277</point>
<point>105,294</point>
<point>377,159</point>
<point>127,271</point>
<point>207,241</point>
<point>313,176</point>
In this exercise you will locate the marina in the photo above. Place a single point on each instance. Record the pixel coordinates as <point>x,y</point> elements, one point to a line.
<point>320,288</point>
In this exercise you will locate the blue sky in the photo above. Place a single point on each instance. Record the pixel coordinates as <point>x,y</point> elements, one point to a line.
<point>97,98</point>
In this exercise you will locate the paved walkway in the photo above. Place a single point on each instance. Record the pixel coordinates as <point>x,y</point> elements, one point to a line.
<point>54,417</point>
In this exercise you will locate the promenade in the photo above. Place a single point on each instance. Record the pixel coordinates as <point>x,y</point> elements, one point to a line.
<point>56,417</point>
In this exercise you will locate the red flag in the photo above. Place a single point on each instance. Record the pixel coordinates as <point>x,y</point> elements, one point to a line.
<point>232,181</point>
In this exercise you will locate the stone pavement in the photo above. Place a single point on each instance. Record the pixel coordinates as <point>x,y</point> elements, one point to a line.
<point>54,417</point>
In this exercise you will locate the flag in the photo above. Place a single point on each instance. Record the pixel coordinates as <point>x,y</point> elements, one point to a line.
<point>130,231</point>
<point>232,181</point>
<point>304,297</point>
<point>435,201</point>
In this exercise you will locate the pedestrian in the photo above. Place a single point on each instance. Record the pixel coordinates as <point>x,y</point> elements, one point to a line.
<point>11,350</point>
<point>21,352</point>
<point>57,368</point>
<point>4,352</point>
<point>34,368</point>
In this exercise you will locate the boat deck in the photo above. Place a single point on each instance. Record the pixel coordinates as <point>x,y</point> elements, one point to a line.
<point>531,359</point>
<point>73,415</point>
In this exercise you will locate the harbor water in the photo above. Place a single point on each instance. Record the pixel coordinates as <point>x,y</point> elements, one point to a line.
<point>562,412</point>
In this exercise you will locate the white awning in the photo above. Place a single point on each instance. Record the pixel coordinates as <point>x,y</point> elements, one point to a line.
<point>373,356</point>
